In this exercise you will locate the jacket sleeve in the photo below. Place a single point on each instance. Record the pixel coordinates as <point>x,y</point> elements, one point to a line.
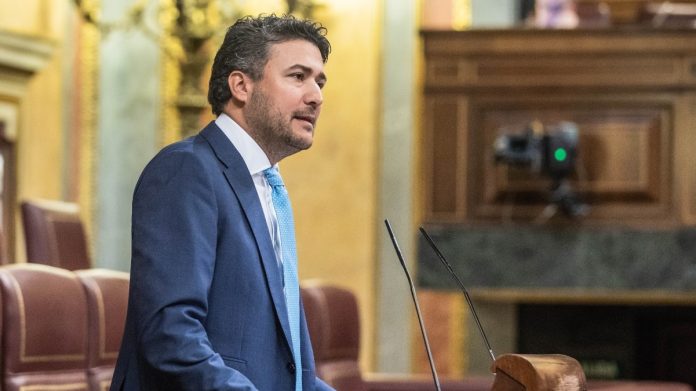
<point>174,234</point>
<point>321,386</point>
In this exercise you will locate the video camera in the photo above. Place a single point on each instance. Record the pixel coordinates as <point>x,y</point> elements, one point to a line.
<point>552,152</point>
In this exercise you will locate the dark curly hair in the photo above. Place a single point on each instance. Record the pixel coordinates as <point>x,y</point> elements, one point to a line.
<point>246,47</point>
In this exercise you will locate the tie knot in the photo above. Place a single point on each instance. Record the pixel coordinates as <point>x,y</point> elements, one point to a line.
<point>273,177</point>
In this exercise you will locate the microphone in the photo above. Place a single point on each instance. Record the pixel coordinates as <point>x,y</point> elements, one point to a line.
<point>415,302</point>
<point>461,286</point>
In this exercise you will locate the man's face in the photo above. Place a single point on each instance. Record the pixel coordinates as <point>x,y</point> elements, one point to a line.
<point>284,105</point>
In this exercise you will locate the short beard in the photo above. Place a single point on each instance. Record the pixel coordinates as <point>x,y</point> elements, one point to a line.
<point>271,131</point>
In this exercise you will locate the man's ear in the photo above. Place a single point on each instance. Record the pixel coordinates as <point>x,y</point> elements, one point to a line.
<point>240,86</point>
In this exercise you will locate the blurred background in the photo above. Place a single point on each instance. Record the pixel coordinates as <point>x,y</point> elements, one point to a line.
<point>546,146</point>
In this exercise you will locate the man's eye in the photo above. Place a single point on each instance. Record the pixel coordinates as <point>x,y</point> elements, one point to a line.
<point>298,76</point>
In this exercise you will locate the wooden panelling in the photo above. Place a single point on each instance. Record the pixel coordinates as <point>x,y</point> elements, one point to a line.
<point>690,178</point>
<point>686,147</point>
<point>480,45</point>
<point>624,156</point>
<point>446,163</point>
<point>631,93</point>
<point>520,70</point>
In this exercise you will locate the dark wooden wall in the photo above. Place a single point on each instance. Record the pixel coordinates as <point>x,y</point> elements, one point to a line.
<point>631,91</point>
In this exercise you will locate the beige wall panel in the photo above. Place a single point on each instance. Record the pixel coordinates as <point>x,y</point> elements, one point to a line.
<point>39,139</point>
<point>333,185</point>
<point>22,16</point>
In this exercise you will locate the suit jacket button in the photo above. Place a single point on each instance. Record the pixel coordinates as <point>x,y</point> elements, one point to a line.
<point>291,367</point>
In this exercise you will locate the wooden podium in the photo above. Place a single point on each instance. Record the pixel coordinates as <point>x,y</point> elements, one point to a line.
<point>530,372</point>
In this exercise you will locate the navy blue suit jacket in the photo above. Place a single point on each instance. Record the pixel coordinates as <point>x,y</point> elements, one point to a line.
<point>206,309</point>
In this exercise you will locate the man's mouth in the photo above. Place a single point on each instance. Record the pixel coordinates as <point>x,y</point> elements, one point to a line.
<point>311,119</point>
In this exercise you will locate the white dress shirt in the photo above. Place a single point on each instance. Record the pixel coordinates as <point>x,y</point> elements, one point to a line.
<point>256,161</point>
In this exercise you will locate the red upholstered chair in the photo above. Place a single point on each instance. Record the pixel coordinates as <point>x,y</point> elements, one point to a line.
<point>334,327</point>
<point>54,234</point>
<point>107,301</point>
<point>44,329</point>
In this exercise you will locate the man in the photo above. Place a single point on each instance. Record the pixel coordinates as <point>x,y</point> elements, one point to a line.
<point>214,303</point>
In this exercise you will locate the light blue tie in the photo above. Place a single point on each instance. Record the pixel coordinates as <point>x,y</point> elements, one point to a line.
<point>286,226</point>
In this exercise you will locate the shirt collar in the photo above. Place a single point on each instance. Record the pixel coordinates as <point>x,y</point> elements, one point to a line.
<point>254,157</point>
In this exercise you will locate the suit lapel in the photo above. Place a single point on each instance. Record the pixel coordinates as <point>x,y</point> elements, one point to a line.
<point>238,177</point>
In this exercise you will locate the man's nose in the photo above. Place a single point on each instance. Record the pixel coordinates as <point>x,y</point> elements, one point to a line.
<point>313,96</point>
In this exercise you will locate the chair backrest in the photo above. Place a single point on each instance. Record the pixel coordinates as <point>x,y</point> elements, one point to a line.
<point>54,234</point>
<point>44,329</point>
<point>334,327</point>
<point>107,302</point>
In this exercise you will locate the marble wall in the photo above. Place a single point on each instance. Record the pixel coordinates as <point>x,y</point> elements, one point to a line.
<point>572,257</point>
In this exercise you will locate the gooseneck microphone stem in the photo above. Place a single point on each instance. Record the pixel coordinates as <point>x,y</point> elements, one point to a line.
<point>461,286</point>
<point>415,301</point>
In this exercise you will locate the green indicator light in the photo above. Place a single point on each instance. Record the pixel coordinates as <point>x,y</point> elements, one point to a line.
<point>560,154</point>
